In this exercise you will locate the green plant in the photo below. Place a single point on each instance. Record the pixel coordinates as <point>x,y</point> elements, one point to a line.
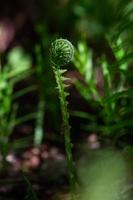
<point>61,53</point>
<point>84,64</point>
<point>112,95</point>
<point>44,76</point>
<point>38,134</point>
<point>15,70</point>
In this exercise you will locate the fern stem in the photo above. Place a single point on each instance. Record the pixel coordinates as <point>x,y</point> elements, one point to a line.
<point>66,128</point>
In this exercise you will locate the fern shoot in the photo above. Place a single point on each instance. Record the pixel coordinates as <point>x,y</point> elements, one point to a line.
<point>61,53</point>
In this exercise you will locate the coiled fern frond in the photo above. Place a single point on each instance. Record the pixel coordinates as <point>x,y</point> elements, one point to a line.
<point>61,52</point>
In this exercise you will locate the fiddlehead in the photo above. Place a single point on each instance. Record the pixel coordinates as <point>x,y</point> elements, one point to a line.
<point>61,53</point>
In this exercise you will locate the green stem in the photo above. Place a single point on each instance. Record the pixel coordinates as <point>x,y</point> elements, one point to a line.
<point>66,129</point>
<point>38,136</point>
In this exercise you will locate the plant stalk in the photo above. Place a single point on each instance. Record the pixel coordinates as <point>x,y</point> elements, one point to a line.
<point>66,129</point>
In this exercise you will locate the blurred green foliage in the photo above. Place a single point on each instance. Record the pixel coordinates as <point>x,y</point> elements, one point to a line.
<point>106,177</point>
<point>17,68</point>
<point>102,88</point>
<point>100,80</point>
<point>102,33</point>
